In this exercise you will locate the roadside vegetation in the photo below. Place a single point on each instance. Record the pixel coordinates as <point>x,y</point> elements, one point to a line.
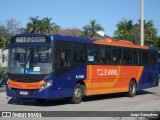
<point>2,74</point>
<point>125,30</point>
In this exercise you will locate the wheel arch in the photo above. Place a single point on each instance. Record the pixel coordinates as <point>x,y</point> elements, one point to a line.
<point>83,85</point>
<point>132,88</point>
<point>134,79</point>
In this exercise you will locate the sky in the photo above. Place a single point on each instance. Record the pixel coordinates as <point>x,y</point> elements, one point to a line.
<point>78,13</point>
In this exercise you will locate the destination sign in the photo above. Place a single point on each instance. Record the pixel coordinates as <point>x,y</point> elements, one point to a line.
<point>30,39</point>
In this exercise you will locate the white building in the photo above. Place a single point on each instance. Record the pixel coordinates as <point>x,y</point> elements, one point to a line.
<point>5,63</point>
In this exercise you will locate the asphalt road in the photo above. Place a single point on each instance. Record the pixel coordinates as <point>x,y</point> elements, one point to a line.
<point>146,100</point>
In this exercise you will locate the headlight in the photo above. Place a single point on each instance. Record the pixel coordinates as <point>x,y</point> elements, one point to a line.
<point>46,85</point>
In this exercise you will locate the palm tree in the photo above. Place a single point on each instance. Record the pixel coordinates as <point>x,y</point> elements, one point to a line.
<point>128,31</point>
<point>86,31</point>
<point>42,26</point>
<point>33,26</point>
<point>90,30</point>
<point>124,28</point>
<point>47,24</point>
<point>150,33</point>
<point>149,28</point>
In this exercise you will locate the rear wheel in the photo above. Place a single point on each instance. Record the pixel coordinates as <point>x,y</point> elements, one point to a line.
<point>132,88</point>
<point>77,94</point>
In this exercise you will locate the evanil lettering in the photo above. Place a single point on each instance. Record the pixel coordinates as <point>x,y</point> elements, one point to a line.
<point>30,39</point>
<point>107,72</point>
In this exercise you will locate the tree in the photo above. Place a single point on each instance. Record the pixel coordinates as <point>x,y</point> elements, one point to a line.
<point>4,36</point>
<point>56,29</point>
<point>128,31</point>
<point>90,30</point>
<point>135,34</point>
<point>42,26</point>
<point>12,26</point>
<point>123,29</point>
<point>150,33</point>
<point>71,32</point>
<point>22,30</point>
<point>34,25</point>
<point>47,24</point>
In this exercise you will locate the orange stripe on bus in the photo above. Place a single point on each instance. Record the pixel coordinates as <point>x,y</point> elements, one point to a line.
<point>22,85</point>
<point>109,90</point>
<point>139,74</point>
<point>102,79</point>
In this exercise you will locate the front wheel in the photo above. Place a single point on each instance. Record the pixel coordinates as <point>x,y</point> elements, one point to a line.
<point>132,88</point>
<point>77,94</point>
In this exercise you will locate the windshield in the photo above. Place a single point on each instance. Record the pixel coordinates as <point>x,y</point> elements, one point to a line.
<point>30,60</point>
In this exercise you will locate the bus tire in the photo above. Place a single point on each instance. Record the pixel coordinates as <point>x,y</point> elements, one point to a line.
<point>132,89</point>
<point>77,94</point>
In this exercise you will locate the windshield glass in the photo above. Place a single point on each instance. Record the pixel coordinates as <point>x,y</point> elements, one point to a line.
<point>30,60</point>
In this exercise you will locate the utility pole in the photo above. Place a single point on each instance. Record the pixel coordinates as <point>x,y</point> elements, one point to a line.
<point>142,22</point>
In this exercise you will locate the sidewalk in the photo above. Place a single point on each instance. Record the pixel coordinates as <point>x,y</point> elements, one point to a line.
<point>3,88</point>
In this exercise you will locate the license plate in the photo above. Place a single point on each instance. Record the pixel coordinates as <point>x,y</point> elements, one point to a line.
<point>23,93</point>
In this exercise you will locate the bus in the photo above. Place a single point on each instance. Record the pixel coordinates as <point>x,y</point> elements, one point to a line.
<point>44,67</point>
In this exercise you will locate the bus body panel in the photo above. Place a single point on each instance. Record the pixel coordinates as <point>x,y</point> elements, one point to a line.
<point>149,77</point>
<point>110,79</point>
<point>62,86</point>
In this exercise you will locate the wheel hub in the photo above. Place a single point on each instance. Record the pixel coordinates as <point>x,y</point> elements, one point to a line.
<point>77,93</point>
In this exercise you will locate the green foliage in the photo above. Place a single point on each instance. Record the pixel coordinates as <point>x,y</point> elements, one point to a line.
<point>89,31</point>
<point>2,73</point>
<point>123,29</point>
<point>40,26</point>
<point>7,31</point>
<point>4,36</point>
<point>126,30</point>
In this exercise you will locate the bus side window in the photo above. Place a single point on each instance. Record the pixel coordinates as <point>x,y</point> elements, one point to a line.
<point>117,55</point>
<point>63,57</point>
<point>105,55</point>
<point>135,57</point>
<point>153,56</point>
<point>145,57</point>
<point>127,56</point>
<point>79,55</point>
<point>93,54</point>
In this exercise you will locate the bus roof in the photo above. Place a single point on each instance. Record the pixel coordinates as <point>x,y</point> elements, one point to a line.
<point>114,42</point>
<point>105,41</point>
<point>71,38</point>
